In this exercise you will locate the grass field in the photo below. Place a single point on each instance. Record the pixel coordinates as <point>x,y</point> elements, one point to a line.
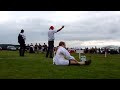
<point>36,66</point>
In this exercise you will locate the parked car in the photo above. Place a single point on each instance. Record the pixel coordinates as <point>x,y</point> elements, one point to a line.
<point>71,50</point>
<point>0,48</point>
<point>11,48</point>
<point>18,48</point>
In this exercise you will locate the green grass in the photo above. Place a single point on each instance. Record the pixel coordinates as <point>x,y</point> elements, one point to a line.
<point>36,66</point>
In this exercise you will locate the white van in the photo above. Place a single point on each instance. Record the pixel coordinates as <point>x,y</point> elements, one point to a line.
<point>11,48</point>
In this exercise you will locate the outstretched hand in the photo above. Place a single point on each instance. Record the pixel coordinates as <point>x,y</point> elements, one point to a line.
<point>62,26</point>
<point>60,29</point>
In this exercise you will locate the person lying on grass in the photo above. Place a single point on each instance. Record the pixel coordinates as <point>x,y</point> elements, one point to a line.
<point>63,57</point>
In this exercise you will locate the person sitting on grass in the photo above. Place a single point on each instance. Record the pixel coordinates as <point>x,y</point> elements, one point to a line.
<point>63,57</point>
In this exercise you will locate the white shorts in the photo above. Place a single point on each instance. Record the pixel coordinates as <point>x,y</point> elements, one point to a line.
<point>61,62</point>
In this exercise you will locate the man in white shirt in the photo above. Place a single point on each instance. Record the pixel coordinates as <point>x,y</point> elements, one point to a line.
<point>51,39</point>
<point>63,57</point>
<point>21,41</point>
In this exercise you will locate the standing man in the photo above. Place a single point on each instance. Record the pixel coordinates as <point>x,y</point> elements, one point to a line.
<point>21,41</point>
<point>51,39</point>
<point>40,47</point>
<point>36,48</point>
<point>45,47</point>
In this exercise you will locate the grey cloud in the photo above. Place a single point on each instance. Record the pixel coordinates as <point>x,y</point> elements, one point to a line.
<point>83,37</point>
<point>35,29</point>
<point>99,26</point>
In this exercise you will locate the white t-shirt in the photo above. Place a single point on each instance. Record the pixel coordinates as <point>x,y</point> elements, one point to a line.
<point>51,35</point>
<point>62,56</point>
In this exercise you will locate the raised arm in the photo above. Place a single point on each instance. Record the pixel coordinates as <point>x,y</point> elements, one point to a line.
<point>60,29</point>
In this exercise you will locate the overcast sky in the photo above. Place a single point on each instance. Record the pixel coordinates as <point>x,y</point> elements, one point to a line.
<point>82,28</point>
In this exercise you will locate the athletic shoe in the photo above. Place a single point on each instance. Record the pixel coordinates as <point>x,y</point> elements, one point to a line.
<point>87,62</point>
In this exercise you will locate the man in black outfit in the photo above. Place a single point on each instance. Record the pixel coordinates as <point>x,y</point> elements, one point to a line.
<point>51,38</point>
<point>21,41</point>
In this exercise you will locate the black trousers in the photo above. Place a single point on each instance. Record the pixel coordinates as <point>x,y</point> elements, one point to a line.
<point>50,49</point>
<point>22,49</point>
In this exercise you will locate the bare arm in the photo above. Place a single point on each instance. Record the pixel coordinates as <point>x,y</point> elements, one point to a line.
<point>60,29</point>
<point>67,54</point>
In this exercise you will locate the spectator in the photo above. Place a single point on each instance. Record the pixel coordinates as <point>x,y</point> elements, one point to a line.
<point>21,41</point>
<point>36,48</point>
<point>31,48</point>
<point>51,39</point>
<point>63,57</point>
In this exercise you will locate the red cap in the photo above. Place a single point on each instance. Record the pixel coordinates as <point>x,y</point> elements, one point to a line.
<point>51,27</point>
